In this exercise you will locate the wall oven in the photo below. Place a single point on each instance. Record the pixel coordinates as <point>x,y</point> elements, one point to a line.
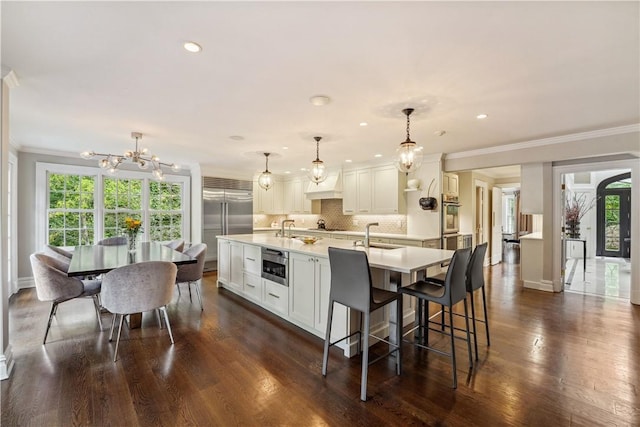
<point>275,265</point>
<point>450,214</point>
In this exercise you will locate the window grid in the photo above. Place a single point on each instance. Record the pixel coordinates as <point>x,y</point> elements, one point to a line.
<point>165,210</point>
<point>122,199</point>
<point>70,214</point>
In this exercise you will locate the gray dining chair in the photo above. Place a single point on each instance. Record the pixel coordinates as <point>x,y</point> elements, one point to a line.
<point>192,273</point>
<point>176,245</point>
<point>58,254</point>
<point>113,241</point>
<point>137,288</point>
<point>53,284</point>
<point>351,286</point>
<point>447,294</point>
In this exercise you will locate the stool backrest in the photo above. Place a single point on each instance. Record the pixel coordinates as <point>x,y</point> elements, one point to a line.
<point>475,274</point>
<point>350,278</point>
<point>455,280</point>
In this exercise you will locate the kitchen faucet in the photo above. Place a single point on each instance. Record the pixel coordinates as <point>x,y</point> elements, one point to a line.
<point>284,221</point>
<point>366,233</point>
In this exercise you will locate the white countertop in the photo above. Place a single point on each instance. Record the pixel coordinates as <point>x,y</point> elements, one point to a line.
<point>406,259</point>
<point>354,233</point>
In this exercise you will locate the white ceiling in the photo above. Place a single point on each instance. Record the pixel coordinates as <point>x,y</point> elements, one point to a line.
<point>92,72</point>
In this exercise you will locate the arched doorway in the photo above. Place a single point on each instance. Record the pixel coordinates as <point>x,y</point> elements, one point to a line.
<point>614,217</point>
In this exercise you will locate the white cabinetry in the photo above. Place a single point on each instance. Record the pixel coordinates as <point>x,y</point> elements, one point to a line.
<point>450,184</point>
<point>268,202</point>
<point>230,265</point>
<point>252,266</point>
<point>377,190</point>
<point>309,285</point>
<point>295,200</point>
<point>276,297</point>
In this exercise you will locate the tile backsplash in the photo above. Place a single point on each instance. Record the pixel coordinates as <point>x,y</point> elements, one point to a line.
<point>331,212</point>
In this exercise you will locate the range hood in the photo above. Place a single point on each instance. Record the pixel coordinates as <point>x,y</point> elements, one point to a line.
<point>330,188</point>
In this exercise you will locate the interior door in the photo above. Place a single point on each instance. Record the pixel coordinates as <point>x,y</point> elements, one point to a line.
<point>479,215</point>
<point>496,226</point>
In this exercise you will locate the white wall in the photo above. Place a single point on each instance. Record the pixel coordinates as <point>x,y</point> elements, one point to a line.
<point>419,221</point>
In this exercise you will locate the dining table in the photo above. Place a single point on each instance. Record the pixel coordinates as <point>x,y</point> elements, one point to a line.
<point>92,260</point>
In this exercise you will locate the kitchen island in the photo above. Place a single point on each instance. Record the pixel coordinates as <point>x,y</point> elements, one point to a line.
<point>304,302</point>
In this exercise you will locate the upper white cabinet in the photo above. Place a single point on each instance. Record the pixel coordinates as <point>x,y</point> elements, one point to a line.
<point>377,190</point>
<point>450,185</point>
<point>269,202</point>
<point>294,199</point>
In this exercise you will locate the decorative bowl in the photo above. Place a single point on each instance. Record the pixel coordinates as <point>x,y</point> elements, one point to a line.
<point>308,240</point>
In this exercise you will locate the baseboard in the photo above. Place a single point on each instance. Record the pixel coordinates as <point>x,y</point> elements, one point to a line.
<point>6,363</point>
<point>26,283</point>
<point>543,285</point>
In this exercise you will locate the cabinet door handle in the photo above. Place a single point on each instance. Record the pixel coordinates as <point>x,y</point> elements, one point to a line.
<point>250,285</point>
<point>274,295</point>
<point>251,259</point>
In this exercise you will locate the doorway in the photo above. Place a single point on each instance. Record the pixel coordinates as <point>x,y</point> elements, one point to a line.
<point>597,260</point>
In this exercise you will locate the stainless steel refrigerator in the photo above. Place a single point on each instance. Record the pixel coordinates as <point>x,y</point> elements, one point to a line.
<point>225,211</point>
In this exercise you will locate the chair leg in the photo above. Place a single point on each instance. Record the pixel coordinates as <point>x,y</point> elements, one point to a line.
<point>178,286</point>
<point>466,321</point>
<point>453,350</point>
<point>420,330</point>
<point>486,318</point>
<point>54,307</point>
<point>166,319</point>
<point>113,324</point>
<point>159,317</point>
<point>399,335</point>
<point>473,319</point>
<point>365,359</point>
<point>96,303</point>
<point>197,286</point>
<point>442,308</point>
<point>115,355</point>
<point>189,286</point>
<point>327,340</point>
<point>425,306</point>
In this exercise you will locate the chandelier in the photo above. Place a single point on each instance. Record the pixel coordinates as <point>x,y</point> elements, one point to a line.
<point>111,162</point>
<point>317,173</point>
<point>408,155</point>
<point>265,180</point>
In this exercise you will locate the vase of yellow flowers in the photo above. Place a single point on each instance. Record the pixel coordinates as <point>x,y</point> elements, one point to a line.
<point>132,227</point>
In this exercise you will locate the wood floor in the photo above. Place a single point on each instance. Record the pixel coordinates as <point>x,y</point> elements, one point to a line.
<point>554,360</point>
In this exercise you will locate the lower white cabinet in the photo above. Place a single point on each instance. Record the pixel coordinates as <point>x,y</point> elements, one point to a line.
<point>252,288</point>
<point>224,261</point>
<point>230,264</point>
<point>275,297</point>
<point>309,286</point>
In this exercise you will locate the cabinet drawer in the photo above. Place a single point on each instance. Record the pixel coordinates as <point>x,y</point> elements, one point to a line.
<point>433,244</point>
<point>251,260</point>
<point>276,297</point>
<point>253,286</point>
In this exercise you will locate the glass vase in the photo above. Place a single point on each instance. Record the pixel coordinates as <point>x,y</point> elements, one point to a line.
<point>132,241</point>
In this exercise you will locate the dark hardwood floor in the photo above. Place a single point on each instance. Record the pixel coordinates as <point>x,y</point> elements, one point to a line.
<point>554,360</point>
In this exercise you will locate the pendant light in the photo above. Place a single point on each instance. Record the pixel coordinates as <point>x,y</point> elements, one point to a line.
<point>408,155</point>
<point>265,180</point>
<point>317,173</point>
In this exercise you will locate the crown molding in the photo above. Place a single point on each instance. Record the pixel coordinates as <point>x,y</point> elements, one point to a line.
<point>545,141</point>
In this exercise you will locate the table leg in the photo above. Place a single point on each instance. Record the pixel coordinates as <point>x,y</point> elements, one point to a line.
<point>135,320</point>
<point>584,259</point>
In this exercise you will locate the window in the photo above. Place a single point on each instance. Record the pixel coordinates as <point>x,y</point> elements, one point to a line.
<point>509,213</point>
<point>85,204</point>
<point>70,216</point>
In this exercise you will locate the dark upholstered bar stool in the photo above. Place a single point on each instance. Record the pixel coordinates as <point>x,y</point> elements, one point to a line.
<point>448,294</point>
<point>351,286</point>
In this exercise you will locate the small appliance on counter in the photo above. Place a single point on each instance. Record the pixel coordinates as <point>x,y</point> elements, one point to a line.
<point>321,224</point>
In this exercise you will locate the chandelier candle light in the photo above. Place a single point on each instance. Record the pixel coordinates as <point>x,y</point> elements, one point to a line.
<point>317,173</point>
<point>408,155</point>
<point>111,162</point>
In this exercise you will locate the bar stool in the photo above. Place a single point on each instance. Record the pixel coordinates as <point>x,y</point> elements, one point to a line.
<point>351,286</point>
<point>448,294</point>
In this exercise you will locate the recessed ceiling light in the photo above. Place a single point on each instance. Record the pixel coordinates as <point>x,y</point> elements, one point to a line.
<point>192,47</point>
<point>348,161</point>
<point>285,148</point>
<point>319,100</point>
<point>303,169</point>
<point>363,123</point>
<point>237,137</point>
<point>481,116</point>
<point>378,155</point>
<point>287,171</point>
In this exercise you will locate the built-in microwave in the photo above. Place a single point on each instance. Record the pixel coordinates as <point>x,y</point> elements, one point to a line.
<point>275,265</point>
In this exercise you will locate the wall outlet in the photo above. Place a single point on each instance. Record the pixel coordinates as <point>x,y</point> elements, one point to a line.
<point>302,221</point>
<point>399,223</point>
<point>255,220</point>
<point>355,222</point>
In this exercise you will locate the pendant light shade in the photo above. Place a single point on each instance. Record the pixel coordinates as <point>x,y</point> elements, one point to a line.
<point>265,180</point>
<point>408,155</point>
<point>317,173</point>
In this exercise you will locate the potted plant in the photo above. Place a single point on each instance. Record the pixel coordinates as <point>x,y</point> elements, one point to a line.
<point>576,207</point>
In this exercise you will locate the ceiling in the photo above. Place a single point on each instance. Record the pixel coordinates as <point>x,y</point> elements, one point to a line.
<point>90,73</point>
